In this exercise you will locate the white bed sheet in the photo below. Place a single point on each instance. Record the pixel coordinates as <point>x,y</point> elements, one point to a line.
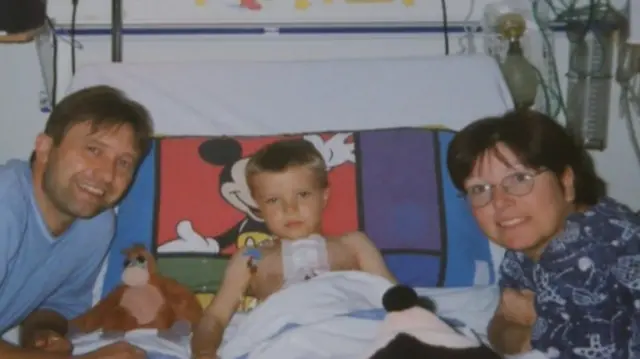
<point>469,309</point>
<point>335,315</point>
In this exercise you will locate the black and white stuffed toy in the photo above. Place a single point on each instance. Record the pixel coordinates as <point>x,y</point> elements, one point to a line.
<point>412,330</point>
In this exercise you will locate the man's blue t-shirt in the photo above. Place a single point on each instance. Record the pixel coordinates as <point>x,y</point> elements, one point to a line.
<point>36,269</point>
<point>587,285</point>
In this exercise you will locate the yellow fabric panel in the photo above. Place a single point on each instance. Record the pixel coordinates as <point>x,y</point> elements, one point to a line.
<point>247,304</point>
<point>204,299</point>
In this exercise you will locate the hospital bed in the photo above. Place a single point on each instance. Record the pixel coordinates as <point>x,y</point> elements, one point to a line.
<point>376,117</point>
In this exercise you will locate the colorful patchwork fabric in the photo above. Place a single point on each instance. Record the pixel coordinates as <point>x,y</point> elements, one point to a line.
<point>191,205</point>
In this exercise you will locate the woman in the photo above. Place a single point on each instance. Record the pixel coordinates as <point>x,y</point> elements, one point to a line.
<point>570,278</point>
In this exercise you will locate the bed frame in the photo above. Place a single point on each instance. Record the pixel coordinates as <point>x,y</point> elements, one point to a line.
<point>116,30</point>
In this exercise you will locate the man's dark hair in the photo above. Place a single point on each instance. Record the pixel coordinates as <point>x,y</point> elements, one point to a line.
<point>103,106</point>
<point>536,139</point>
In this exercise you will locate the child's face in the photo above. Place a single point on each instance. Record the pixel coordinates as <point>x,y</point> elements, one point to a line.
<point>291,202</point>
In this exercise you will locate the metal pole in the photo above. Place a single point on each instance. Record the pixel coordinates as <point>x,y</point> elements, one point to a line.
<point>116,30</point>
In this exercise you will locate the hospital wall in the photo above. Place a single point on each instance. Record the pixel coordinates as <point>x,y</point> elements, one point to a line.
<point>20,78</point>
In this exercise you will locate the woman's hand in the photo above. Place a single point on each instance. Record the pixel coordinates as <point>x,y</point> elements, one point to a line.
<point>518,307</point>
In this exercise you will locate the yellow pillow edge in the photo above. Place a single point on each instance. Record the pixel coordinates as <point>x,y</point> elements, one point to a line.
<point>437,127</point>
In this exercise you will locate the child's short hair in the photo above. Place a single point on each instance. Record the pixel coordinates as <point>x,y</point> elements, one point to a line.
<point>284,154</point>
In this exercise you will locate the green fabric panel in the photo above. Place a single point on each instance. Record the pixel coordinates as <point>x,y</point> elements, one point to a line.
<point>199,273</point>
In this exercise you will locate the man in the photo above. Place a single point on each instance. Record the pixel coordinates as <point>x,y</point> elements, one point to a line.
<point>57,219</point>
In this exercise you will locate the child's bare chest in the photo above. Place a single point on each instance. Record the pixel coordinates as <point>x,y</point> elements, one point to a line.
<point>269,276</point>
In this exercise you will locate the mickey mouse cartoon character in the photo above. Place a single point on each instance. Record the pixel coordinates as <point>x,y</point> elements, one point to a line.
<point>251,231</point>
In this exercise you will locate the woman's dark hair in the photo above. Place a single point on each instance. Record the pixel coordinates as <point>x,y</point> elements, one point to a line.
<point>536,139</point>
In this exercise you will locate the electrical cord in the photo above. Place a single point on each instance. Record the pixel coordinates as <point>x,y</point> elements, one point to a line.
<point>54,85</point>
<point>552,91</point>
<point>74,13</point>
<point>571,10</point>
<point>445,24</point>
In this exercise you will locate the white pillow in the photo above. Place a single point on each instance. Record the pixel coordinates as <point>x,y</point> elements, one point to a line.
<point>473,306</point>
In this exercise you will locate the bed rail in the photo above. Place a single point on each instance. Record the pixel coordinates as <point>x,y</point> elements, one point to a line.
<point>116,30</point>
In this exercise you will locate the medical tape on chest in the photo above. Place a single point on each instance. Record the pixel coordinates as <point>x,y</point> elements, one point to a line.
<point>304,258</point>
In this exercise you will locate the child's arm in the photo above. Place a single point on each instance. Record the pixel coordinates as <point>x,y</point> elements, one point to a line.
<point>368,256</point>
<point>207,336</point>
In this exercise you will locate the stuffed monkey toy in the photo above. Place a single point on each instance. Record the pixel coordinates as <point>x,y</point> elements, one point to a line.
<point>145,299</point>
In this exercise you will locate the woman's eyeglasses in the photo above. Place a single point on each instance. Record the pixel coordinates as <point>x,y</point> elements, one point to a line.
<point>516,184</point>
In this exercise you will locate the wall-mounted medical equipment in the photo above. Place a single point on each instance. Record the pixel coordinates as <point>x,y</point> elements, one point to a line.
<point>591,31</point>
<point>518,36</point>
<point>521,76</point>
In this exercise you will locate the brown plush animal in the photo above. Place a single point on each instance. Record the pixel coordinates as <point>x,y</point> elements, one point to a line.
<point>144,300</point>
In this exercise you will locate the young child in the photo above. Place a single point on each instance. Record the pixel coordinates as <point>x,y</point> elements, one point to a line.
<point>289,182</point>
